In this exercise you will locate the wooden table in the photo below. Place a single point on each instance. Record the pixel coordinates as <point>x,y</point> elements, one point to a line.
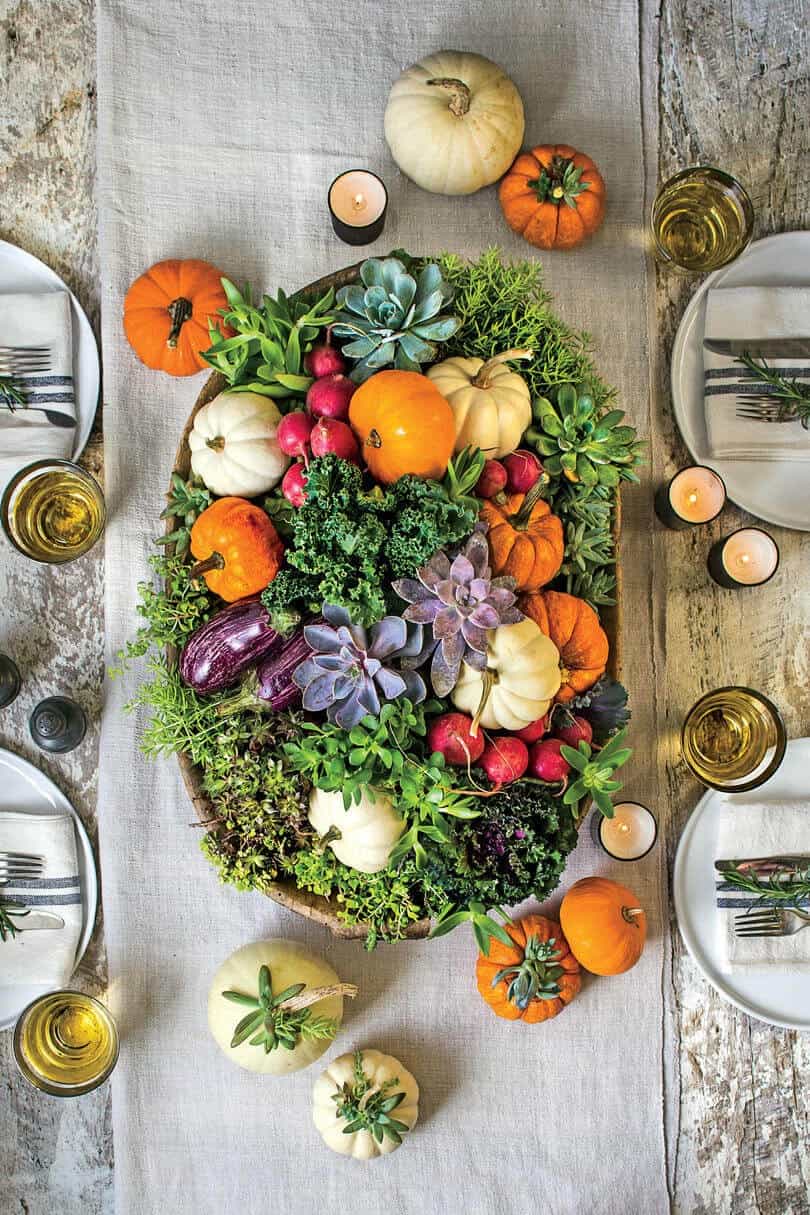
<point>732,90</point>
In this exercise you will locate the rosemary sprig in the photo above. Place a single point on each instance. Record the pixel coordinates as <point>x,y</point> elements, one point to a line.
<point>370,1113</point>
<point>11,396</point>
<point>785,885</point>
<point>8,929</point>
<point>284,1019</point>
<point>794,398</point>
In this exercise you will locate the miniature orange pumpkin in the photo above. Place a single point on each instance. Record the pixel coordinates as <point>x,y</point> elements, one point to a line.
<point>404,425</point>
<point>237,548</point>
<point>166,314</point>
<point>554,196</point>
<point>533,979</point>
<point>604,925</point>
<point>574,627</point>
<point>525,539</point>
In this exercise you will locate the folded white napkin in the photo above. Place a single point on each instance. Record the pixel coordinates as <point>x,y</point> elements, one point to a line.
<point>748,830</point>
<point>46,426</point>
<point>755,313</point>
<point>46,957</point>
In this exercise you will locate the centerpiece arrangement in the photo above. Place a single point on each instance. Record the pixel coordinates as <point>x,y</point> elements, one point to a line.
<point>378,649</point>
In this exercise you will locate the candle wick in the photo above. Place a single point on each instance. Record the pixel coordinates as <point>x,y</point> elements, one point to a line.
<point>745,558</point>
<point>693,498</point>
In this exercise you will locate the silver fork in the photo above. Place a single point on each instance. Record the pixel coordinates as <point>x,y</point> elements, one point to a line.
<point>771,922</point>
<point>23,360</point>
<point>765,409</point>
<point>19,866</point>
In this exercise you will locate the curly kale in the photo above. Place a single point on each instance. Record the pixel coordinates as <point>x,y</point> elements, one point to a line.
<point>424,520</point>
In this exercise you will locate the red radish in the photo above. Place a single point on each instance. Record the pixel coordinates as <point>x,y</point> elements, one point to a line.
<point>523,470</point>
<point>575,731</point>
<point>329,396</point>
<point>293,434</point>
<point>504,759</point>
<point>492,479</point>
<point>536,730</point>
<point>324,359</point>
<point>546,763</point>
<point>333,437</point>
<point>294,485</point>
<point>450,736</point>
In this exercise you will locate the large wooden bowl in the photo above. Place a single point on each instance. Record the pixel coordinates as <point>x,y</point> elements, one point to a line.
<point>314,906</point>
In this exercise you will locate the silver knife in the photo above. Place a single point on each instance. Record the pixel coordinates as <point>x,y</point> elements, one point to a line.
<point>762,348</point>
<point>37,920</point>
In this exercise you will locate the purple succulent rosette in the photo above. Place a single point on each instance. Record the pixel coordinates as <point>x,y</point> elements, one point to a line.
<point>460,601</point>
<point>350,671</point>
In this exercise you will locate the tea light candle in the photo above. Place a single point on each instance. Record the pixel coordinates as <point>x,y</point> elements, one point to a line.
<point>748,557</point>
<point>629,835</point>
<point>357,203</point>
<point>694,495</point>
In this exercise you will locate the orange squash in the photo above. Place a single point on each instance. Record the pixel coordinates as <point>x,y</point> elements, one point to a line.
<point>237,548</point>
<point>604,925</point>
<point>554,196</point>
<point>525,539</point>
<point>404,425</point>
<point>574,627</point>
<point>533,979</point>
<point>166,314</point>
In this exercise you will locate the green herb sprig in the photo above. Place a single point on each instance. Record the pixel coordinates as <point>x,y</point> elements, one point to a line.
<point>365,1110</point>
<point>8,929</point>
<point>11,395</point>
<point>185,502</point>
<point>785,885</point>
<point>285,1019</point>
<point>792,396</point>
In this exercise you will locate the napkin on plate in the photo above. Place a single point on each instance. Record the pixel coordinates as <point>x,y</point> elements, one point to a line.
<point>755,313</point>
<point>758,829</point>
<point>46,426</point>
<point>45,957</point>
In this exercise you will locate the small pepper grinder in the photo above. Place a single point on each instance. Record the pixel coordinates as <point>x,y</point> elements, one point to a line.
<point>9,681</point>
<point>57,724</point>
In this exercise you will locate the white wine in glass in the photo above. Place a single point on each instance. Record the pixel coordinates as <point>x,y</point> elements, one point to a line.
<point>733,739</point>
<point>702,219</point>
<point>66,1043</point>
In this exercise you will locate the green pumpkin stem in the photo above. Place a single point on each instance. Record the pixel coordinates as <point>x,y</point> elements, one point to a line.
<point>215,562</point>
<point>522,517</point>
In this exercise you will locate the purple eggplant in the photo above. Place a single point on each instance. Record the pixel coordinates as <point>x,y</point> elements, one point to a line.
<point>219,652</point>
<point>270,685</point>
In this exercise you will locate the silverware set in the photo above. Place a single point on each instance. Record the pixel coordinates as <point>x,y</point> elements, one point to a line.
<point>24,360</point>
<point>19,867</point>
<point>756,403</point>
<point>771,922</point>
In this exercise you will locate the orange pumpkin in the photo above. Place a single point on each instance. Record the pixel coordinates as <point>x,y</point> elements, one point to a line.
<point>166,314</point>
<point>604,925</point>
<point>533,979</point>
<point>404,425</point>
<point>554,196</point>
<point>574,627</point>
<point>525,539</point>
<point>237,548</point>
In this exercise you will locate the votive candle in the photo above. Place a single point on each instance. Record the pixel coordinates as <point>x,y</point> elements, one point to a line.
<point>358,201</point>
<point>694,495</point>
<point>629,835</point>
<point>747,557</point>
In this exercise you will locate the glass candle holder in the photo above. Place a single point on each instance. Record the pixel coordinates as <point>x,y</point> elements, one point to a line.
<point>702,218</point>
<point>53,511</point>
<point>66,1043</point>
<point>747,557</point>
<point>57,724</point>
<point>733,739</point>
<point>693,496</point>
<point>358,201</point>
<point>629,835</point>
<point>10,681</point>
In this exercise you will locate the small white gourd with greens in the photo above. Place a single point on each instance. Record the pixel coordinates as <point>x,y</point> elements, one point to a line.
<point>362,836</point>
<point>364,1104</point>
<point>521,679</point>
<point>234,448</point>
<point>491,403</point>
<point>274,1007</point>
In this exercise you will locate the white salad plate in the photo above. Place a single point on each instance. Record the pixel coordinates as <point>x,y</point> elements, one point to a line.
<point>24,788</point>
<point>781,997</point>
<point>21,271</point>
<point>777,491</point>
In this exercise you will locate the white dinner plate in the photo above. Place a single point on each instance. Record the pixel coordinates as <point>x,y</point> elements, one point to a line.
<point>21,271</point>
<point>775,490</point>
<point>24,787</point>
<point>781,997</point>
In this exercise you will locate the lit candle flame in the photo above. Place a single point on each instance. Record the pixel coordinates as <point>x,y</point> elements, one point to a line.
<point>359,202</point>
<point>745,558</point>
<point>692,499</point>
<point>624,827</point>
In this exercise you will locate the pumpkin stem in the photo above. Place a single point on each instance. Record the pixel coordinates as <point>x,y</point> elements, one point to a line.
<point>484,374</point>
<point>373,439</point>
<point>179,310</point>
<point>332,834</point>
<point>215,562</point>
<point>313,994</point>
<point>629,914</point>
<point>521,518</point>
<point>490,679</point>
<point>460,94</point>
<point>216,444</point>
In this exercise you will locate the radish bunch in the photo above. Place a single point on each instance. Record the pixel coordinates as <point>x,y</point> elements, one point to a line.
<point>320,429</point>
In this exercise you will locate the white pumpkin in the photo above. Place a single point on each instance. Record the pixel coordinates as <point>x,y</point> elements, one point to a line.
<point>491,404</point>
<point>234,449</point>
<point>384,1077</point>
<point>364,835</point>
<point>520,682</point>
<point>454,122</point>
<point>288,964</point>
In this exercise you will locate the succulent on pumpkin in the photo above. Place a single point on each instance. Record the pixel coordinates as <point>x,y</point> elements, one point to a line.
<point>393,318</point>
<point>459,600</point>
<point>350,671</point>
<point>579,443</point>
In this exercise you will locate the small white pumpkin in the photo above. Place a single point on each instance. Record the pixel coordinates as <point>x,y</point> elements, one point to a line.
<point>362,837</point>
<point>454,122</point>
<point>520,682</point>
<point>234,449</point>
<point>491,404</point>
<point>372,1078</point>
<point>288,964</point>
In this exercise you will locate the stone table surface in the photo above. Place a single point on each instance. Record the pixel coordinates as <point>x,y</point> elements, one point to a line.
<point>733,89</point>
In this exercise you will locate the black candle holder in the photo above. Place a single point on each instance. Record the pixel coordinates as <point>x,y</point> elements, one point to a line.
<point>666,511</point>
<point>10,681</point>
<point>354,234</point>
<point>57,724</point>
<point>717,568</point>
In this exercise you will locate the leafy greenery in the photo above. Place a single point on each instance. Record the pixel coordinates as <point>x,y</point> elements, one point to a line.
<point>580,442</point>
<point>370,1113</point>
<point>186,501</point>
<point>788,884</point>
<point>792,396</point>
<point>171,610</point>
<point>587,517</point>
<point>595,772</point>
<point>11,397</point>
<point>270,1025</point>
